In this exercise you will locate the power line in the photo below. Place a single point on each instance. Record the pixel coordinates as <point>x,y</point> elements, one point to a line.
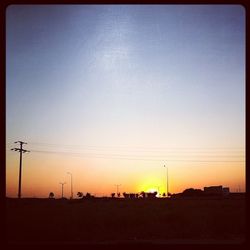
<point>233,151</point>
<point>124,157</point>
<point>152,154</point>
<point>137,147</point>
<point>152,157</point>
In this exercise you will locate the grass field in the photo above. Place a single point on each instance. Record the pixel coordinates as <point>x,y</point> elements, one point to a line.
<point>117,220</point>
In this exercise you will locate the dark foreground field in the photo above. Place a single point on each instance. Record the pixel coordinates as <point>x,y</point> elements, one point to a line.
<point>120,220</point>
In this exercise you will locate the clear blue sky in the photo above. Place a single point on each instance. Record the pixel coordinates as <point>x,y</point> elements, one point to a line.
<point>105,75</point>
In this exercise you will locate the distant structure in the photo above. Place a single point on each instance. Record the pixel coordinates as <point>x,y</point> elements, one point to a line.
<point>192,192</point>
<point>226,191</point>
<point>213,190</point>
<point>140,195</point>
<point>216,190</point>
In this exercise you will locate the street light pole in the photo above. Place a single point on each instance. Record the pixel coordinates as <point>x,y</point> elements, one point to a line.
<point>117,188</point>
<point>167,178</point>
<point>62,183</point>
<point>71,184</point>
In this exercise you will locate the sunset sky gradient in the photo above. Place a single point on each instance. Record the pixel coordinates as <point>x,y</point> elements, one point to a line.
<point>112,93</point>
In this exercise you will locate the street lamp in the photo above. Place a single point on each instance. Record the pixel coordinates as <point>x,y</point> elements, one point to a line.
<point>62,183</point>
<point>71,185</point>
<point>167,178</point>
<point>117,188</point>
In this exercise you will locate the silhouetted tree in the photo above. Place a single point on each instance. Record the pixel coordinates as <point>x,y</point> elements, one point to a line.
<point>80,194</point>
<point>143,194</point>
<point>88,196</point>
<point>151,195</point>
<point>118,194</point>
<point>51,195</point>
<point>164,195</point>
<point>113,195</point>
<point>131,196</point>
<point>125,195</point>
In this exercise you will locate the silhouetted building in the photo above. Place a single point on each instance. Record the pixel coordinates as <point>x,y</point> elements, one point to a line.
<point>192,192</point>
<point>213,190</point>
<point>208,191</point>
<point>226,191</point>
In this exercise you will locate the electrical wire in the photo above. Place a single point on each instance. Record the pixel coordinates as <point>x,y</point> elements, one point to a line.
<point>163,153</point>
<point>126,157</point>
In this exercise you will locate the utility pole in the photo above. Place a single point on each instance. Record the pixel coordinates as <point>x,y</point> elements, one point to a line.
<point>21,151</point>
<point>62,183</point>
<point>71,184</point>
<point>117,188</point>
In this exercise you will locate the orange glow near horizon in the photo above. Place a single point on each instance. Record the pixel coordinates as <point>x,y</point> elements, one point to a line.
<point>41,174</point>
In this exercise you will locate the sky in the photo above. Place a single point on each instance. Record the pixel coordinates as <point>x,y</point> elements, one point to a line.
<point>112,93</point>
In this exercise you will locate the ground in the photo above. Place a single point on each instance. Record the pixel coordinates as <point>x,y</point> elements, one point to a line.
<point>121,220</point>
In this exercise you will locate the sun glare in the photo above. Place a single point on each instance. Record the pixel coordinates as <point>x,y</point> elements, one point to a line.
<point>152,190</point>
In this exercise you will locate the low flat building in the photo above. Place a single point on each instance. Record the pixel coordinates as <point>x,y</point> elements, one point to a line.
<point>213,190</point>
<point>226,191</point>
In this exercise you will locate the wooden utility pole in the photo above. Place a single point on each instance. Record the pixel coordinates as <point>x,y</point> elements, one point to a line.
<point>21,151</point>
